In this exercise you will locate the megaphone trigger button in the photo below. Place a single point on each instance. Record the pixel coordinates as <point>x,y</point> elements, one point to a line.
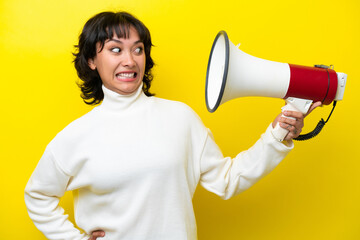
<point>290,100</point>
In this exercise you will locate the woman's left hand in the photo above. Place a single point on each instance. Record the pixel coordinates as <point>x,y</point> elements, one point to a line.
<point>294,126</point>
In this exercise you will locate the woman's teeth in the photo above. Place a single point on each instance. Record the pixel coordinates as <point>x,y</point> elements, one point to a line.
<point>126,75</point>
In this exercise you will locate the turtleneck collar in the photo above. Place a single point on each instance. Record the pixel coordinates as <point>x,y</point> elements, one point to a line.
<point>117,102</point>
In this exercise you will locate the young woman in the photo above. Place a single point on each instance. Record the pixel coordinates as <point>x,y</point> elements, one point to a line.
<point>135,160</point>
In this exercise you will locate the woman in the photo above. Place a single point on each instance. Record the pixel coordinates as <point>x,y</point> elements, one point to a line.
<point>134,161</point>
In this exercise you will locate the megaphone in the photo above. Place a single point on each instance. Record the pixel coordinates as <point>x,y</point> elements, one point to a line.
<point>232,73</point>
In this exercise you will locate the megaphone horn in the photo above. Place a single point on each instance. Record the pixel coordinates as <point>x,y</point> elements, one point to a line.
<point>231,74</point>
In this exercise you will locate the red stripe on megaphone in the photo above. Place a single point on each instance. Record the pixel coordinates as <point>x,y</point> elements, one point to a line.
<point>317,84</point>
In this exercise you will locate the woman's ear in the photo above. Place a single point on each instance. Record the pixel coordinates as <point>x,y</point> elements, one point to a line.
<point>91,63</point>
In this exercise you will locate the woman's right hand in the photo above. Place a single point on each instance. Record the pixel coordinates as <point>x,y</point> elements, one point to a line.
<point>96,234</point>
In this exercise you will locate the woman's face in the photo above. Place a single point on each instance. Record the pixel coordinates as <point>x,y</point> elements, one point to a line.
<point>121,63</point>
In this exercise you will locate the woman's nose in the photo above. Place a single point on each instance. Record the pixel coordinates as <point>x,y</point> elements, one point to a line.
<point>128,60</point>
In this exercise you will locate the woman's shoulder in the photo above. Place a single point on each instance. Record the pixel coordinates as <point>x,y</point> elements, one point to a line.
<point>76,129</point>
<point>172,105</point>
<point>175,111</point>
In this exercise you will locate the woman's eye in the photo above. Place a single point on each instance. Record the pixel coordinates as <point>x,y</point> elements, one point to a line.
<point>116,50</point>
<point>138,50</point>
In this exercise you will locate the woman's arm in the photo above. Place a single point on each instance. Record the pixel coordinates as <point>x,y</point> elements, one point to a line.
<point>42,194</point>
<point>227,177</point>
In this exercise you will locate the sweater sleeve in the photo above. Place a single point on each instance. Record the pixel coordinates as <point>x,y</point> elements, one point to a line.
<point>227,177</point>
<point>42,194</point>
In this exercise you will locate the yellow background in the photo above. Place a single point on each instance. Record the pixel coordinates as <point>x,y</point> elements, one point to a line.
<point>313,194</point>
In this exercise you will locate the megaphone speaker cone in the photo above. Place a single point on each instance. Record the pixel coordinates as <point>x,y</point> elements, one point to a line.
<point>217,71</point>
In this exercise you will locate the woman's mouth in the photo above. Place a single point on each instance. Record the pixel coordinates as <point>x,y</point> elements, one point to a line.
<point>126,76</point>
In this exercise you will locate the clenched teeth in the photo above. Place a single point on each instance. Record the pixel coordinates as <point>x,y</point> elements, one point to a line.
<point>126,75</point>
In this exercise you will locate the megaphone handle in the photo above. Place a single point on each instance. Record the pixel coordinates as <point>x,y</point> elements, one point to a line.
<point>292,104</point>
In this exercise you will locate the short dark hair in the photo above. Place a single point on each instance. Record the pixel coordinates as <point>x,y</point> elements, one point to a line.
<point>98,29</point>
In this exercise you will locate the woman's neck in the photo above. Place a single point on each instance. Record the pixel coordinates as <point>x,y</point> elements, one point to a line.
<point>118,102</point>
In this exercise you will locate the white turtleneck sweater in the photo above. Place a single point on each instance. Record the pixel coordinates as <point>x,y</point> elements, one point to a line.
<point>134,163</point>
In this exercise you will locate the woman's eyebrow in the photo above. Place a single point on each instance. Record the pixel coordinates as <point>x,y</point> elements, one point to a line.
<point>119,41</point>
